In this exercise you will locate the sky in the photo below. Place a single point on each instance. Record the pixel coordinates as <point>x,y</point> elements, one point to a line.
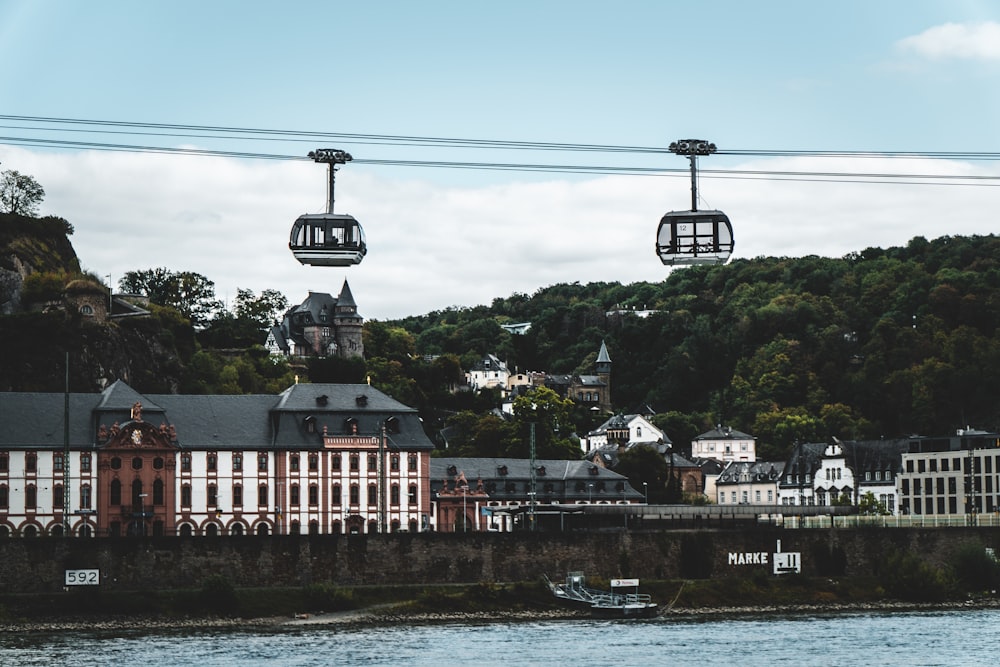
<point>903,87</point>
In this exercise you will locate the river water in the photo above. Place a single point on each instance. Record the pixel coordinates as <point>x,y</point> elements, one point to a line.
<point>907,639</point>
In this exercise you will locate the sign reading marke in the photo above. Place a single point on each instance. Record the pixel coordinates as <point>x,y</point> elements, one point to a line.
<point>783,562</point>
<point>83,577</point>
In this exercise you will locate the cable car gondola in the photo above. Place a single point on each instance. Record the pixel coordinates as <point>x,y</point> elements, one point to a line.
<point>694,237</point>
<point>328,239</point>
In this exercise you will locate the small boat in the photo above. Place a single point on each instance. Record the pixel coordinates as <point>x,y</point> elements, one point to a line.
<point>613,604</point>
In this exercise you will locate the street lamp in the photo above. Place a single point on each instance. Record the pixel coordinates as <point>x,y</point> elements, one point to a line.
<point>645,492</point>
<point>590,492</point>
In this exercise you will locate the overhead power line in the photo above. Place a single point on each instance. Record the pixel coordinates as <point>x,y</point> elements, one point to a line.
<point>234,134</point>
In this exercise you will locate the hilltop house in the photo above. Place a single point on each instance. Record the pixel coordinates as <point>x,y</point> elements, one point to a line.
<point>320,326</point>
<point>488,373</point>
<point>625,431</point>
<point>724,444</point>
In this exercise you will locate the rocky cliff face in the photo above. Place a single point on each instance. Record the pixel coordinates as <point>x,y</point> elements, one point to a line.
<point>35,344</point>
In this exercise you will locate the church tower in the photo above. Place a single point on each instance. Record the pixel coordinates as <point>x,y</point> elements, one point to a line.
<point>348,324</point>
<point>603,369</point>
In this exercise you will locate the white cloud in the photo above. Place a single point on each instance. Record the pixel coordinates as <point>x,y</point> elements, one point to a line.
<point>432,246</point>
<point>972,41</point>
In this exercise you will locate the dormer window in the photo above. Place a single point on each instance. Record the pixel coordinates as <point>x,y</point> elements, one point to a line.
<point>351,425</point>
<point>452,471</point>
<point>540,470</point>
<point>361,401</point>
<point>594,470</point>
<point>392,425</point>
<point>86,309</point>
<point>323,399</point>
<point>310,423</point>
<point>502,471</point>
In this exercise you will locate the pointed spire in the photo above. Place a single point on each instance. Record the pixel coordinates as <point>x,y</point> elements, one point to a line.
<point>602,356</point>
<point>346,298</point>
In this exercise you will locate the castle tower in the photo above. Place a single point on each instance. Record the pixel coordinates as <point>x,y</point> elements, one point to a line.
<point>348,324</point>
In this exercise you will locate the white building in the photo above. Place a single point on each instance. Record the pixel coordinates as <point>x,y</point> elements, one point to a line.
<point>724,444</point>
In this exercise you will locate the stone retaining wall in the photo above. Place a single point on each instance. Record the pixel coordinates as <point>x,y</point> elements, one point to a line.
<point>38,565</point>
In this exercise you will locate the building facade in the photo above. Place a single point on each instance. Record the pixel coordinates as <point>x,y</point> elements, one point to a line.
<point>724,444</point>
<point>320,326</point>
<point>319,459</point>
<point>494,494</point>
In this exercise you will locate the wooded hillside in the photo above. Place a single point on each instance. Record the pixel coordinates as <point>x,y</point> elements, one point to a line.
<point>883,342</point>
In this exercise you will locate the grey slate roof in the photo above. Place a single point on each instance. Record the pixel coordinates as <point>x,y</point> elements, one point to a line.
<point>724,433</point>
<point>570,479</point>
<point>260,421</point>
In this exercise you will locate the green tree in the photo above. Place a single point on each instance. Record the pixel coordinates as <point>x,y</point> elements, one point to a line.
<point>190,293</point>
<point>20,193</point>
<point>551,416</point>
<point>646,470</point>
<point>263,310</point>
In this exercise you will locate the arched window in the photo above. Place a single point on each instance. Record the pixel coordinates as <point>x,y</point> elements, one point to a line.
<point>313,495</point>
<point>355,494</point>
<point>116,492</point>
<point>57,496</point>
<point>411,496</point>
<point>335,462</point>
<point>4,497</point>
<point>237,495</point>
<point>87,309</point>
<point>58,463</point>
<point>85,496</point>
<point>394,494</point>
<point>185,495</point>
<point>313,462</point>
<point>30,497</point>
<point>262,495</point>
<point>372,495</point>
<point>335,494</point>
<point>186,529</point>
<point>213,495</point>
<point>137,499</point>
<point>158,492</point>
<point>185,462</point>
<point>293,496</point>
<point>30,462</point>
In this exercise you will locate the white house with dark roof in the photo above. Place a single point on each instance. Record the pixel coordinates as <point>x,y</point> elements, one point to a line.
<point>317,458</point>
<point>625,431</point>
<point>488,373</point>
<point>724,444</point>
<point>748,483</point>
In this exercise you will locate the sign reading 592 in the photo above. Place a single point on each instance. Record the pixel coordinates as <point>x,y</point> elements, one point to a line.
<point>83,577</point>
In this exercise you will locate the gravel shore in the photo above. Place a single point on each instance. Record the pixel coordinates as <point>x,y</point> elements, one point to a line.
<point>394,614</point>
